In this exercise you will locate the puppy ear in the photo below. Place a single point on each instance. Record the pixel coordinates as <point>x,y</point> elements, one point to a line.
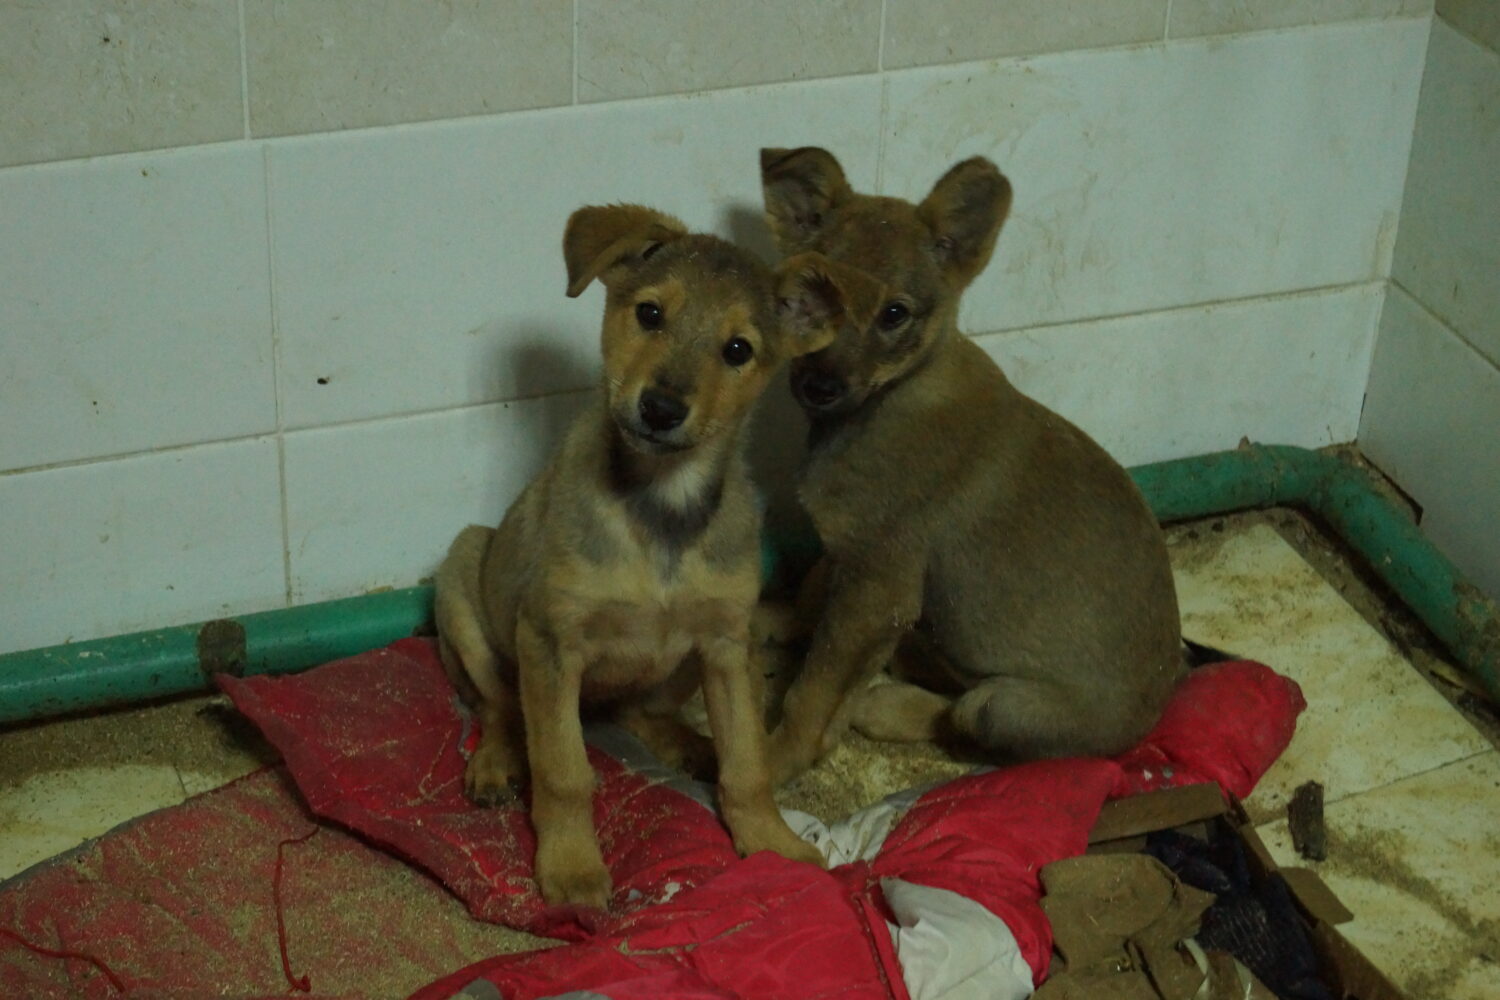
<point>599,237</point>
<point>816,296</point>
<point>800,186</point>
<point>965,211</point>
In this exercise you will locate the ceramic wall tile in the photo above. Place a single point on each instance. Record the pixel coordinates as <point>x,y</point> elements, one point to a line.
<point>1430,419</point>
<point>1217,17</point>
<point>923,32</point>
<point>161,539</point>
<point>1448,253</point>
<point>135,309</point>
<point>421,268</point>
<point>1286,370</point>
<point>1167,175</point>
<point>338,64</point>
<point>87,77</point>
<point>376,504</point>
<point>636,48</point>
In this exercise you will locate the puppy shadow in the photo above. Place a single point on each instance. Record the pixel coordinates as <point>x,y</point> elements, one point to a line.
<point>536,368</point>
<point>776,449</point>
<point>746,226</point>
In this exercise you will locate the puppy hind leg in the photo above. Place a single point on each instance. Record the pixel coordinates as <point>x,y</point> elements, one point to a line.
<point>1023,719</point>
<point>899,713</point>
<point>657,721</point>
<point>497,771</point>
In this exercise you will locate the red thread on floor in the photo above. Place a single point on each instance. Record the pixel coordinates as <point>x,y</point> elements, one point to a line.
<point>109,973</point>
<point>305,983</point>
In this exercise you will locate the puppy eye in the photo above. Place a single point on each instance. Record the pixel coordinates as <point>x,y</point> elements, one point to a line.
<point>738,351</point>
<point>892,315</point>
<point>648,314</point>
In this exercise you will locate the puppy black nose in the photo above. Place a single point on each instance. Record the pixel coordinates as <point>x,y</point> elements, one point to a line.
<point>819,388</point>
<point>661,412</point>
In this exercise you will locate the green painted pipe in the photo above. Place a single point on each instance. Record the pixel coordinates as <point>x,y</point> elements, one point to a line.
<point>125,669</point>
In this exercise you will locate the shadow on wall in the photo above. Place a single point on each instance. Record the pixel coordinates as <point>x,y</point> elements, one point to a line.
<point>530,360</point>
<point>537,357</point>
<point>746,226</point>
<point>778,430</point>
<point>778,444</point>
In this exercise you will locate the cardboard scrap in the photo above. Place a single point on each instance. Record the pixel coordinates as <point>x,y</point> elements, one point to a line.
<point>1122,827</point>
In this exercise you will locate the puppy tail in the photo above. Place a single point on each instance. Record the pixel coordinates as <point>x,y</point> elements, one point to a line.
<point>1198,655</point>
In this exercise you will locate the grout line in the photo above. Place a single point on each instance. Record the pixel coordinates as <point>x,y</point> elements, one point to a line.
<point>1166,24</point>
<point>281,430</point>
<point>1445,324</point>
<point>1492,50</point>
<point>981,64</point>
<point>880,41</point>
<point>276,435</point>
<point>276,378</point>
<point>881,125</point>
<point>439,410</point>
<point>575,50</point>
<point>1330,803</point>
<point>244,72</point>
<point>1295,293</point>
<point>73,463</point>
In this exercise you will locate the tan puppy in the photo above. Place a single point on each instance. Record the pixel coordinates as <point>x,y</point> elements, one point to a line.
<point>629,569</point>
<point>1004,550</point>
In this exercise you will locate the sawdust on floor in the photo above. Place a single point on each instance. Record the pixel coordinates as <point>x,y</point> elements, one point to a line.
<point>1196,543</point>
<point>202,735</point>
<point>1379,857</point>
<point>424,918</point>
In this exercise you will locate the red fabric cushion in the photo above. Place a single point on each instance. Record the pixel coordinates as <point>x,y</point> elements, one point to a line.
<point>374,743</point>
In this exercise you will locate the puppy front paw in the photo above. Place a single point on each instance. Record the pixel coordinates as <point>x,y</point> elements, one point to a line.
<point>774,835</point>
<point>573,875</point>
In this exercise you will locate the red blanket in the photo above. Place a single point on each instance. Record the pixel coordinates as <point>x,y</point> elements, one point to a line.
<point>374,743</point>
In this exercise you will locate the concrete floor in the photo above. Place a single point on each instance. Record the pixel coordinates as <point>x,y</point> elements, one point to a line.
<point>1412,784</point>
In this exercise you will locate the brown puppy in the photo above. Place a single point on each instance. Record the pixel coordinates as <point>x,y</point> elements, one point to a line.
<point>994,541</point>
<point>629,569</point>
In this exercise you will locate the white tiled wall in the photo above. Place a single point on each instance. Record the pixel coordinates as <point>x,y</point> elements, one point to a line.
<point>287,366</point>
<point>420,268</point>
<point>136,308</point>
<point>1154,386</point>
<point>1432,418</point>
<point>153,539</point>
<point>1151,177</point>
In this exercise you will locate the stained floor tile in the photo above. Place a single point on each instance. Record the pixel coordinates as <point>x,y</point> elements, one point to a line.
<point>1412,787</point>
<point>55,811</point>
<point>1418,863</point>
<point>1371,719</point>
<point>64,782</point>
